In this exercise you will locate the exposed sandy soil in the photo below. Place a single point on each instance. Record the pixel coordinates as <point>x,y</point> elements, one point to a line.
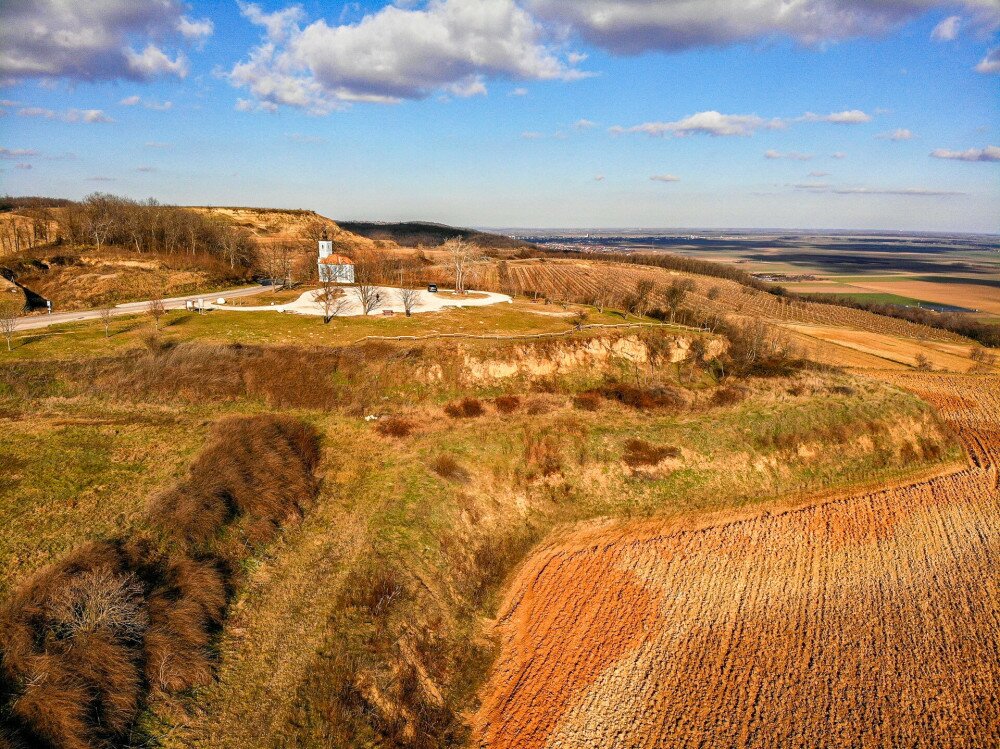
<point>972,296</point>
<point>872,620</point>
<point>889,349</point>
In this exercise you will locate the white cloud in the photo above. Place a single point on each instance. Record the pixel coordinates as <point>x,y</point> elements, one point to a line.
<point>584,124</point>
<point>792,155</point>
<point>709,123</point>
<point>989,153</point>
<point>16,153</point>
<point>665,178</point>
<point>70,115</point>
<point>130,101</point>
<point>847,117</point>
<point>519,91</point>
<point>947,30</point>
<point>532,135</point>
<point>94,39</point>
<point>598,178</point>
<point>819,173</point>
<point>195,30</point>
<point>395,53</point>
<point>990,63</point>
<point>153,62</point>
<point>633,26</point>
<point>159,106</point>
<point>146,169</point>
<point>899,134</point>
<point>811,186</point>
<point>838,155</point>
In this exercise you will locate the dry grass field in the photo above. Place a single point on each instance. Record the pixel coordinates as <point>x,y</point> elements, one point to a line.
<point>871,620</point>
<point>536,533</point>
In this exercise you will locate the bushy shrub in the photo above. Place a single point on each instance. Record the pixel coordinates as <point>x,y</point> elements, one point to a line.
<point>507,404</point>
<point>394,426</point>
<point>641,453</point>
<point>466,408</point>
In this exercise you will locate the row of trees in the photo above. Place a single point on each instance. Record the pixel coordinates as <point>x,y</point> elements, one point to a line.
<point>148,226</point>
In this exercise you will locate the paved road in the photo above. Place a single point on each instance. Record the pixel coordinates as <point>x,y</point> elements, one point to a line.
<point>33,322</point>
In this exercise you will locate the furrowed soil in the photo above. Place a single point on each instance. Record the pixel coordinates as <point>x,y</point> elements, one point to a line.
<point>871,620</point>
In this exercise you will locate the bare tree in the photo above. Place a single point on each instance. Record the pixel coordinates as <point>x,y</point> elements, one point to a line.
<point>369,296</point>
<point>333,300</point>
<point>603,298</point>
<point>984,359</point>
<point>107,312</point>
<point>156,310</point>
<point>922,362</point>
<point>9,313</point>
<point>461,254</point>
<point>638,302</point>
<point>409,298</point>
<point>276,260</point>
<point>674,295</point>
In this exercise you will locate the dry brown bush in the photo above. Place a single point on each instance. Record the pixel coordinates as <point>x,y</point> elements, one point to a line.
<point>466,408</point>
<point>445,466</point>
<point>642,398</point>
<point>587,401</point>
<point>86,638</point>
<point>395,426</point>
<point>507,404</point>
<point>729,396</point>
<point>641,453</point>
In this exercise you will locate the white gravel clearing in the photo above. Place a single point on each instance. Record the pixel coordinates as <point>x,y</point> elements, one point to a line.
<point>308,304</point>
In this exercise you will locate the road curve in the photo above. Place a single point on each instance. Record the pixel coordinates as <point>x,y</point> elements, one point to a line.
<point>35,322</point>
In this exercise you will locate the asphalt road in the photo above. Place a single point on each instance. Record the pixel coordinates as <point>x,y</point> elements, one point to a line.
<point>34,322</point>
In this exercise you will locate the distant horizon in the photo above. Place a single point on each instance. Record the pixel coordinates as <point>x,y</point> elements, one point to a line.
<point>532,113</point>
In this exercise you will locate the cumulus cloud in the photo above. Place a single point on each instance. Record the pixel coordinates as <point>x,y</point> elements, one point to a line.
<point>899,134</point>
<point>396,53</point>
<point>708,123</point>
<point>847,117</point>
<point>89,116</point>
<point>990,63</point>
<point>989,153</point>
<point>96,39</point>
<point>584,124</point>
<point>519,91</point>
<point>153,62</point>
<point>792,155</point>
<point>947,30</point>
<point>838,155</point>
<point>598,178</point>
<point>634,26</point>
<point>130,101</point>
<point>665,178</point>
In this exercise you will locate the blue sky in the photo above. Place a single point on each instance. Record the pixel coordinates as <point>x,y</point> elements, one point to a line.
<point>540,113</point>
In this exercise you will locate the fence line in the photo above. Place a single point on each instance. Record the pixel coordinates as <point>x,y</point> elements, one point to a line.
<point>525,336</point>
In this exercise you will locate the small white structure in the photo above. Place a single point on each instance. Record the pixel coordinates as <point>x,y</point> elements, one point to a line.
<point>336,268</point>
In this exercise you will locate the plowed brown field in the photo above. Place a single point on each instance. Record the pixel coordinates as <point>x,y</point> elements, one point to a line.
<point>871,620</point>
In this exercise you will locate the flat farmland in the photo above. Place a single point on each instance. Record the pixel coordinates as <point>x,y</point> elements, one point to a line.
<point>868,620</point>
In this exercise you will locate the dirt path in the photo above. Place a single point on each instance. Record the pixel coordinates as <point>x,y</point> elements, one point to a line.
<point>867,621</point>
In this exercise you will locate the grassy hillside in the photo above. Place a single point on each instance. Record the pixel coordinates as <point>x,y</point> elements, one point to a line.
<point>365,623</point>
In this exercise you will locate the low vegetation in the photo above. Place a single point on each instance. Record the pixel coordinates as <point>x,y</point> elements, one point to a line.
<point>88,638</point>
